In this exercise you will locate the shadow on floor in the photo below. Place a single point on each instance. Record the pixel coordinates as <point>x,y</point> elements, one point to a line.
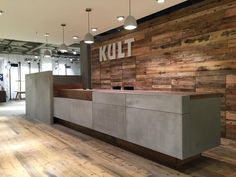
<point>208,167</point>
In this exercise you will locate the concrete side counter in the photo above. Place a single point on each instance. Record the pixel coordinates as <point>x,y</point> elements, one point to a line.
<point>177,124</point>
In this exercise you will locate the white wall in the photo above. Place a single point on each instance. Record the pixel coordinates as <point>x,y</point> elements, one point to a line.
<point>46,64</point>
<point>60,69</point>
<point>17,84</point>
<point>1,72</point>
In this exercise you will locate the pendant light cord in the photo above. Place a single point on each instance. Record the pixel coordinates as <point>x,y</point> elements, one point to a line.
<point>63,34</point>
<point>46,35</point>
<point>129,7</point>
<point>46,41</point>
<point>88,23</point>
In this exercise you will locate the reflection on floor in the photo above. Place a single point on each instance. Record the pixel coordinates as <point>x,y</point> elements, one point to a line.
<point>32,149</point>
<point>12,108</point>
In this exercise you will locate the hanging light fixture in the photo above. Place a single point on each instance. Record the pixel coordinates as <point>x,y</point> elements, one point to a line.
<point>47,53</point>
<point>63,48</point>
<point>88,39</point>
<point>130,22</point>
<point>36,55</point>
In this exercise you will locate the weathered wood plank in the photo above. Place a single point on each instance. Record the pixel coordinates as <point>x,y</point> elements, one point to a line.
<point>192,49</point>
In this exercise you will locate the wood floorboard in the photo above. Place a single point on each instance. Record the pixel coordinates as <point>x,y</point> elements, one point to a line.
<point>33,149</point>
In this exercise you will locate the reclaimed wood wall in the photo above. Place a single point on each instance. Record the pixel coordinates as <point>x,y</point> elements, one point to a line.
<point>192,49</point>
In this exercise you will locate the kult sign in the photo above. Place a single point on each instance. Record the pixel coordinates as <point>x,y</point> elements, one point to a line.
<point>115,50</point>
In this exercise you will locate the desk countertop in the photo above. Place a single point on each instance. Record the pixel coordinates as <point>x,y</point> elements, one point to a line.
<point>78,93</point>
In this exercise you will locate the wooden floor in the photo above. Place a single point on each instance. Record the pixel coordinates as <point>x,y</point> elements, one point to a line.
<point>32,149</point>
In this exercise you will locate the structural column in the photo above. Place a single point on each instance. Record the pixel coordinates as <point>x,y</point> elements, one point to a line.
<point>85,61</point>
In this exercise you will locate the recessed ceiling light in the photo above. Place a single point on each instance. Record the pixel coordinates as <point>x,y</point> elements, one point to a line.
<point>160,1</point>
<point>1,12</point>
<point>120,18</point>
<point>94,29</point>
<point>75,37</point>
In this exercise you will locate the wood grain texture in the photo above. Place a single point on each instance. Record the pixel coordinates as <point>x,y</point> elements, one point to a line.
<point>231,106</point>
<point>192,49</point>
<point>33,149</point>
<point>37,150</point>
<point>75,94</point>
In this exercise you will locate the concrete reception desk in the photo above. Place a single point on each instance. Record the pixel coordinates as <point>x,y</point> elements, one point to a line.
<point>180,125</point>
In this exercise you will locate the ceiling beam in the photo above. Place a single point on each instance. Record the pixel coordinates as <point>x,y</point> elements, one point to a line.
<point>35,48</point>
<point>6,47</point>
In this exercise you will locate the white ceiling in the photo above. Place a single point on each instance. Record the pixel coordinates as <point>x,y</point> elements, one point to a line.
<point>23,18</point>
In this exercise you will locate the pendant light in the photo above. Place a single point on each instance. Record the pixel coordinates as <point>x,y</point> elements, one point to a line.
<point>130,22</point>
<point>63,48</point>
<point>88,39</point>
<point>47,53</point>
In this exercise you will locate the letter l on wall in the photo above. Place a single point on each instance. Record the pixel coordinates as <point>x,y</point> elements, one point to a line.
<point>112,51</point>
<point>121,54</point>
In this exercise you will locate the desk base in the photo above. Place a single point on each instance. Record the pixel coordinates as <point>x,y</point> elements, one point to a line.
<point>139,150</point>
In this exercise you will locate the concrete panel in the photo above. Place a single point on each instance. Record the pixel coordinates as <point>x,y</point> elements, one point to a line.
<point>159,131</point>
<point>62,108</point>
<point>171,124</point>
<point>73,110</point>
<point>109,119</point>
<point>159,102</point>
<point>202,131</point>
<point>39,104</point>
<point>81,112</point>
<point>109,98</point>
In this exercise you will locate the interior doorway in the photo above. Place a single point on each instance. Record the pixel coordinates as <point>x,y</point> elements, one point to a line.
<point>14,80</point>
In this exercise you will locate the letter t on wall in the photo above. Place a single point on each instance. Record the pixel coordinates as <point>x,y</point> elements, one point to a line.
<point>129,42</point>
